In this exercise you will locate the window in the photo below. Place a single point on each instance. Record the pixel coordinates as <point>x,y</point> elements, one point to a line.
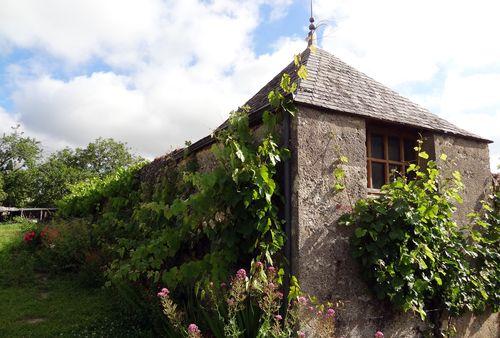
<point>389,152</point>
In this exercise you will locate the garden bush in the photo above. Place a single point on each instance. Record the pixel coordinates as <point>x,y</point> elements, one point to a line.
<point>414,254</point>
<point>183,226</point>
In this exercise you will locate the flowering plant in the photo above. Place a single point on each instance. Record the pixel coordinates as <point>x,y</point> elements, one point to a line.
<point>260,291</point>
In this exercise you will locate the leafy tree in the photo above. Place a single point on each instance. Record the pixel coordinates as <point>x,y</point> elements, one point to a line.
<point>27,180</point>
<point>17,151</point>
<point>18,185</point>
<point>18,156</point>
<point>104,156</point>
<point>3,194</point>
<point>66,167</point>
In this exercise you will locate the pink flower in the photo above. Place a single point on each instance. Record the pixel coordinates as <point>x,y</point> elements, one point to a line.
<point>271,269</point>
<point>330,312</point>
<point>301,334</point>
<point>163,293</point>
<point>259,264</point>
<point>223,285</point>
<point>302,300</point>
<point>319,313</point>
<point>241,274</point>
<point>278,317</point>
<point>311,308</point>
<point>279,294</point>
<point>271,285</point>
<point>193,328</point>
<point>230,302</point>
<point>379,334</point>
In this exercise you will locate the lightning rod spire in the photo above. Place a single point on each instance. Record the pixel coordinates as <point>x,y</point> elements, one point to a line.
<point>312,28</point>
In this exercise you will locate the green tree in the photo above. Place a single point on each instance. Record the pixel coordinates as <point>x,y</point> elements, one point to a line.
<point>18,152</point>
<point>3,194</point>
<point>62,169</point>
<point>104,156</point>
<point>18,156</point>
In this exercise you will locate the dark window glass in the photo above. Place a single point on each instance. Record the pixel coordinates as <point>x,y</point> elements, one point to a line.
<point>394,154</point>
<point>378,175</point>
<point>377,146</point>
<point>409,152</point>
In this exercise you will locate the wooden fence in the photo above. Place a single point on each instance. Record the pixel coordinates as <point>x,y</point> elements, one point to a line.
<point>40,214</point>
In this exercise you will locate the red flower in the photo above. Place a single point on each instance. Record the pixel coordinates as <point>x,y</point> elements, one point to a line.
<point>29,236</point>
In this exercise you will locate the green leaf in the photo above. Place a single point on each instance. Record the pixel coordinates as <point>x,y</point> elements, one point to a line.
<point>438,280</point>
<point>359,232</point>
<point>443,157</point>
<point>302,72</point>
<point>423,155</point>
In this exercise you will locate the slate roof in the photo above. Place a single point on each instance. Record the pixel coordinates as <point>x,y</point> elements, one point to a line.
<point>333,84</point>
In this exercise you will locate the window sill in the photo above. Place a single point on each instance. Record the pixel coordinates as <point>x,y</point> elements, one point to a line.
<point>374,192</point>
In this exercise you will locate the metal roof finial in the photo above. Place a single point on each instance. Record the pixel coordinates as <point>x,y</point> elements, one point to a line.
<point>312,28</point>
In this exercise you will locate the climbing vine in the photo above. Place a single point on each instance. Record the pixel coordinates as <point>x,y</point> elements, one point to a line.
<point>414,254</point>
<point>189,223</point>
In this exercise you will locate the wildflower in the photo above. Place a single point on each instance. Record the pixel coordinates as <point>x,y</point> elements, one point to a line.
<point>259,264</point>
<point>279,294</point>
<point>163,293</point>
<point>301,334</point>
<point>379,334</point>
<point>330,312</point>
<point>278,317</point>
<point>194,331</point>
<point>230,302</point>
<point>271,269</point>
<point>311,308</point>
<point>193,328</point>
<point>272,286</point>
<point>319,313</point>
<point>223,285</point>
<point>241,274</point>
<point>302,300</point>
<point>29,236</point>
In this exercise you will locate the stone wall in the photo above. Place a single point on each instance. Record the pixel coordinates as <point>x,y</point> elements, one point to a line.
<point>471,158</point>
<point>320,256</point>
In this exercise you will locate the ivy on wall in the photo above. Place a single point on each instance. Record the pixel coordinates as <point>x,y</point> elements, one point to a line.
<point>414,254</point>
<point>186,224</point>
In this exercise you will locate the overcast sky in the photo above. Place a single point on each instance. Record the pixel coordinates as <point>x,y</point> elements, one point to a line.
<point>156,73</point>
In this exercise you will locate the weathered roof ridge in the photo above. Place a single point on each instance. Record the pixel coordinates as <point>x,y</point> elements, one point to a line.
<point>335,85</point>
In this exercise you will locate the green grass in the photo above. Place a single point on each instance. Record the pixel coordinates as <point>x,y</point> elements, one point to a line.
<point>39,305</point>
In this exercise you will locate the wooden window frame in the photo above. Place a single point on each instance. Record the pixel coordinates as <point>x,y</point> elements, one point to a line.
<point>386,132</point>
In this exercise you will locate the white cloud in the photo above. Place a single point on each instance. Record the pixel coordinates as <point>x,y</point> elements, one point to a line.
<point>411,45</point>
<point>6,121</point>
<point>188,63</point>
<point>177,67</point>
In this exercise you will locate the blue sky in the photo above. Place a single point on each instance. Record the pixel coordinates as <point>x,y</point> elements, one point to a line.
<point>155,73</point>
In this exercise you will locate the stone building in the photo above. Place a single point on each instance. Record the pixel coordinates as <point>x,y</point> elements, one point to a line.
<point>343,112</point>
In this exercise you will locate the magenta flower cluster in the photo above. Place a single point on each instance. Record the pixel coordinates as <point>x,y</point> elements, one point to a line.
<point>193,328</point>
<point>163,293</point>
<point>379,334</point>
<point>241,274</point>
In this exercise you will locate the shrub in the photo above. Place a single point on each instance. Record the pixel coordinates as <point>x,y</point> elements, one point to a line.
<point>414,254</point>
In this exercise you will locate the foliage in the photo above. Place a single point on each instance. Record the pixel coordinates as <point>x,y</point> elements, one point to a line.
<point>251,307</point>
<point>28,180</point>
<point>484,237</point>
<point>415,255</point>
<point>183,224</point>
<point>18,152</point>
<point>38,304</point>
<point>3,194</point>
